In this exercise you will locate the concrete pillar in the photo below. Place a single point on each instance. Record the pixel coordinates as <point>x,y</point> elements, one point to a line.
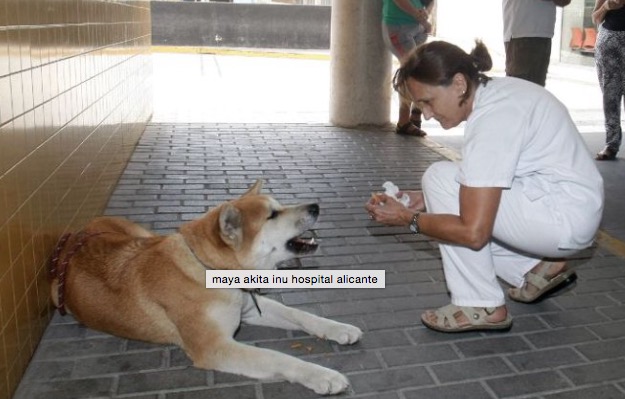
<point>360,92</point>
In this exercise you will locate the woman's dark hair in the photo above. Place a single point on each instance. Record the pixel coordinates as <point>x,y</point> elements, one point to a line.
<point>436,64</point>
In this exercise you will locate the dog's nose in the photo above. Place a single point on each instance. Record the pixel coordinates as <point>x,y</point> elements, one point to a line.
<point>313,210</point>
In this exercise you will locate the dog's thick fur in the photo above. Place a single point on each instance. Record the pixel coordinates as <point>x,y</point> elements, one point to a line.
<point>129,282</point>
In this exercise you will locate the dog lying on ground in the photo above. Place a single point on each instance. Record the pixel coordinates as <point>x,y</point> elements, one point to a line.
<point>118,277</point>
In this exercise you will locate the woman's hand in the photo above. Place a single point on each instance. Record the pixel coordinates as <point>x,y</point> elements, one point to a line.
<point>417,202</point>
<point>388,211</point>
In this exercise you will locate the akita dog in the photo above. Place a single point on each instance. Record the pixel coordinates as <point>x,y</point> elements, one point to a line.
<point>115,276</point>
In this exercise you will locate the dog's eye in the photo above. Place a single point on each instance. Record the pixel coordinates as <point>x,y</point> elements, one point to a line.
<point>273,215</point>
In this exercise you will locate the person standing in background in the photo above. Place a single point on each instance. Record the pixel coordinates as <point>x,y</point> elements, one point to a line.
<point>528,27</point>
<point>405,25</point>
<point>609,16</point>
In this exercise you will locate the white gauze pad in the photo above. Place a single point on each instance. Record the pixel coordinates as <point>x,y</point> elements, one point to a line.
<point>391,190</point>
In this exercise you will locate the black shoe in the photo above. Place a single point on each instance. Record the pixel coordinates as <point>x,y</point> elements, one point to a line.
<point>410,129</point>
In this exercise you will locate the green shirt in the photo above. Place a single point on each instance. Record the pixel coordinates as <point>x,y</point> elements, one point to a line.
<point>393,15</point>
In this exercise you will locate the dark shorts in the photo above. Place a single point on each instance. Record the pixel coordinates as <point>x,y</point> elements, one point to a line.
<point>528,58</point>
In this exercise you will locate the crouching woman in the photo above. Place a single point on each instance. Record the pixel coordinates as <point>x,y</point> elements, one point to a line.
<point>525,196</point>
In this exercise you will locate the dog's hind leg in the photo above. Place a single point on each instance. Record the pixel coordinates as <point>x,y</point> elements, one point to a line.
<point>230,356</point>
<point>275,314</point>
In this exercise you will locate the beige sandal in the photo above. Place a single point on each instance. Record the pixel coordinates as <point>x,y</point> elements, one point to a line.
<point>544,286</point>
<point>446,320</point>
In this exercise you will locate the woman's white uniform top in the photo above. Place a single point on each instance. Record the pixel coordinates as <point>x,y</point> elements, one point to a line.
<point>519,132</point>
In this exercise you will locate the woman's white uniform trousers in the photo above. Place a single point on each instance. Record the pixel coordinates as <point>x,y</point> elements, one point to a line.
<point>525,231</point>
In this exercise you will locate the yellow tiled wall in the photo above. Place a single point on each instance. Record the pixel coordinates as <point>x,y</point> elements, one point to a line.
<point>75,95</point>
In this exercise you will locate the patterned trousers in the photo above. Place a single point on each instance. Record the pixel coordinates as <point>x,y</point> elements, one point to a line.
<point>610,61</point>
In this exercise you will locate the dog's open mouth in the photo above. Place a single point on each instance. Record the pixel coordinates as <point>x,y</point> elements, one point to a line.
<point>302,245</point>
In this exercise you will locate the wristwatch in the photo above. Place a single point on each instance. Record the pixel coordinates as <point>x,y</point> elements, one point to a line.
<point>414,223</point>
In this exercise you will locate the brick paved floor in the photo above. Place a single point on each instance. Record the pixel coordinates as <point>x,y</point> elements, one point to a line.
<point>569,346</point>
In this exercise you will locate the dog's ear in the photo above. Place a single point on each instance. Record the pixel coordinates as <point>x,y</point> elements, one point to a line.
<point>230,226</point>
<point>255,189</point>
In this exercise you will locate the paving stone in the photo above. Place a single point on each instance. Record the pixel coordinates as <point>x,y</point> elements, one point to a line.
<point>220,378</point>
<point>65,331</point>
<point>243,392</point>
<point>399,319</point>
<point>258,333</point>
<point>348,362</point>
<point>618,296</point>
<point>284,390</point>
<point>422,336</point>
<point>526,384</point>
<point>470,369</point>
<point>171,380</point>
<point>609,330</point>
<point>605,371</point>
<point>527,324</point>
<point>420,276</point>
<point>574,318</point>
<point>49,350</point>
<point>178,358</point>
<point>613,312</point>
<point>535,309</point>
<point>129,212</point>
<point>379,339</point>
<point>545,359</point>
<point>151,218</point>
<point>362,249</point>
<point>121,363</point>
<point>377,395</point>
<point>390,379</point>
<point>597,286</point>
<point>328,262</point>
<point>610,269</point>
<point>52,370</point>
<point>492,344</point>
<point>420,354</point>
<point>66,389</point>
<point>471,390</point>
<point>560,337</point>
<point>370,306</point>
<point>580,301</point>
<point>597,351</point>
<point>598,392</point>
<point>299,346</point>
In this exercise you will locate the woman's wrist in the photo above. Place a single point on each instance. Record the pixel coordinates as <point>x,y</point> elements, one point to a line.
<point>406,216</point>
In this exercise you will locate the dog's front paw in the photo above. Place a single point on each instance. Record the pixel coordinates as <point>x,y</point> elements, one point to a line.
<point>325,381</point>
<point>344,334</point>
